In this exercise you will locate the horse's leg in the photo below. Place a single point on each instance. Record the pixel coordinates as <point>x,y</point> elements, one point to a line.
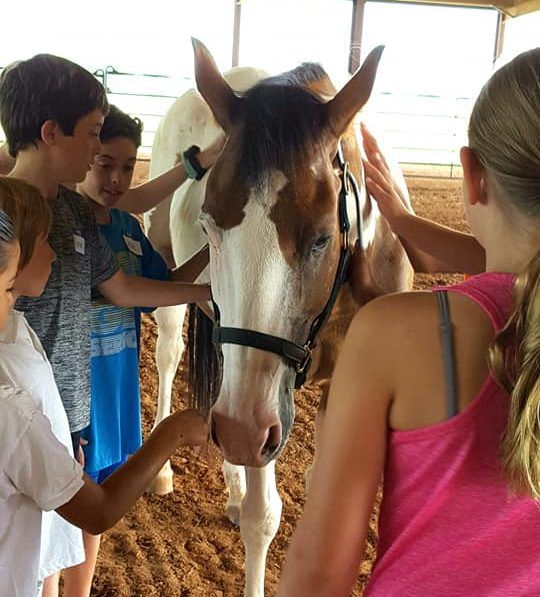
<point>169,349</point>
<point>259,522</point>
<point>235,480</point>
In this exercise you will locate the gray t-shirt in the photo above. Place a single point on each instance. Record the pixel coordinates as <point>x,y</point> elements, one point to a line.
<point>61,315</point>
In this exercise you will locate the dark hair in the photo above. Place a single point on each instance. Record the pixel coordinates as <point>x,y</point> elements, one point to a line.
<point>7,237</point>
<point>43,88</point>
<point>119,124</point>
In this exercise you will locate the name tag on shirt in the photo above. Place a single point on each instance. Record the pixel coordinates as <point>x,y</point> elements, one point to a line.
<point>80,244</point>
<point>133,245</point>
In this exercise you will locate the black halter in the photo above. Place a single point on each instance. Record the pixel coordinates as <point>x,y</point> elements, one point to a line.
<point>299,357</point>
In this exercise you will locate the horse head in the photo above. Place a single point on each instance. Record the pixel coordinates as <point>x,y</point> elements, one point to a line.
<point>271,216</point>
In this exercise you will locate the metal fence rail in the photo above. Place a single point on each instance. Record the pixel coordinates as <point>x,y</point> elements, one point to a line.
<point>425,131</point>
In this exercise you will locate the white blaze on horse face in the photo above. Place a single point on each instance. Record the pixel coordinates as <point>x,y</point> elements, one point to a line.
<point>254,288</point>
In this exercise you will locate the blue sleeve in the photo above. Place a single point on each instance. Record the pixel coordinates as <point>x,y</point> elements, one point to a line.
<point>152,264</point>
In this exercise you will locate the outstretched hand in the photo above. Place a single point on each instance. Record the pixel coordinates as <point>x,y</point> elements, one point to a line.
<point>379,181</point>
<point>191,428</point>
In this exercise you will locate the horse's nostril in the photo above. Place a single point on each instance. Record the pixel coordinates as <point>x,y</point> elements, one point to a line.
<point>213,433</point>
<point>273,441</point>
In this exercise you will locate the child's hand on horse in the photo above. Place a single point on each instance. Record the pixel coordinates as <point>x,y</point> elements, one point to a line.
<point>379,181</point>
<point>190,428</point>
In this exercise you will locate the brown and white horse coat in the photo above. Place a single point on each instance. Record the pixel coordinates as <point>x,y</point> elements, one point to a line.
<point>270,214</point>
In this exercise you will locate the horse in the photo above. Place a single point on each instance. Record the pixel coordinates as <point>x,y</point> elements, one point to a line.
<point>279,216</point>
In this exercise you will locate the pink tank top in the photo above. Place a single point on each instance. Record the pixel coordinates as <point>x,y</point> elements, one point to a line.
<point>448,526</point>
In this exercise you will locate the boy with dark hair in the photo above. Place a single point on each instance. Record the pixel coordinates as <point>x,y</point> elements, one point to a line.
<point>52,111</point>
<point>115,415</point>
<point>119,125</point>
<point>46,88</point>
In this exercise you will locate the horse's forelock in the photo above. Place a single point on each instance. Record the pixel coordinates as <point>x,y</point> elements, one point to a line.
<point>283,123</point>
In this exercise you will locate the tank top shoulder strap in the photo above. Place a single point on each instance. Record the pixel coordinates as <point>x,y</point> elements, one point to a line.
<point>448,353</point>
<point>491,291</point>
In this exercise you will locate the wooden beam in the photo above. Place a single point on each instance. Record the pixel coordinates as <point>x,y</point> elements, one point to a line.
<point>511,8</point>
<point>505,5</point>
<point>357,26</point>
<point>522,8</point>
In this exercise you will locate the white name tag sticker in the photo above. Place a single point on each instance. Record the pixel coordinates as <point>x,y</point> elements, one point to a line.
<point>80,244</point>
<point>133,245</point>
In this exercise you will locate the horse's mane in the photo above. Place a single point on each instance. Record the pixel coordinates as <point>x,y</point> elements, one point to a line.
<point>282,118</point>
<point>302,76</point>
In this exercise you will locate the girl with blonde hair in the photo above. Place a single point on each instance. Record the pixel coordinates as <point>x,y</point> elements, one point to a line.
<point>438,393</point>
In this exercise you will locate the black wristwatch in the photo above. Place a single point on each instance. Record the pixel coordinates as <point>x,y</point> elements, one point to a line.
<point>192,166</point>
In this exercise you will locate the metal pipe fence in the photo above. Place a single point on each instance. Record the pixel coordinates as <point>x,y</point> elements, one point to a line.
<point>425,131</point>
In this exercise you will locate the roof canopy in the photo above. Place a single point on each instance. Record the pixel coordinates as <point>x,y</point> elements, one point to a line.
<point>511,8</point>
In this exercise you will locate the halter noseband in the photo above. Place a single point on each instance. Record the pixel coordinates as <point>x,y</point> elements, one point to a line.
<point>297,356</point>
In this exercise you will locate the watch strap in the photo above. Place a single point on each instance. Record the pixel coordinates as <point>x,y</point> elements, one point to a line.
<point>191,163</point>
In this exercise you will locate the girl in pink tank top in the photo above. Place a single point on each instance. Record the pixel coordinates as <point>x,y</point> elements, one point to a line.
<point>437,394</point>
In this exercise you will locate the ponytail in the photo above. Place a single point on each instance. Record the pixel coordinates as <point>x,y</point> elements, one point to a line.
<point>515,363</point>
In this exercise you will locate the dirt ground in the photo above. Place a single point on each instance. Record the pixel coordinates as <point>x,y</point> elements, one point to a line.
<point>183,544</point>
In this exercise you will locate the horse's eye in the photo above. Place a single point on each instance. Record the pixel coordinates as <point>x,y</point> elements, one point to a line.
<point>320,244</point>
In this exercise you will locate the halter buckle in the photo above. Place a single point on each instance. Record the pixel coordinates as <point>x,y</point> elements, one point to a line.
<point>301,367</point>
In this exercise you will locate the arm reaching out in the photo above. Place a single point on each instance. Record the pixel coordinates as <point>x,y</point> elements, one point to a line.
<point>190,270</point>
<point>431,247</point>
<point>147,195</point>
<point>124,290</point>
<point>96,508</point>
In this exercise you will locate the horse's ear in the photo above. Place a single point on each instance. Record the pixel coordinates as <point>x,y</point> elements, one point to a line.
<point>351,98</point>
<point>213,87</point>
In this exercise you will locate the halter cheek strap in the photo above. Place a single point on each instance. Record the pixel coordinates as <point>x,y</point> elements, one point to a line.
<point>349,186</point>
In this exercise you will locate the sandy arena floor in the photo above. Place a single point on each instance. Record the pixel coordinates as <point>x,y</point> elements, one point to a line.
<point>183,544</point>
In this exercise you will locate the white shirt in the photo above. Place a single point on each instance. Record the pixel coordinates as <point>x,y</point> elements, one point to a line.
<point>36,473</point>
<point>24,365</point>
